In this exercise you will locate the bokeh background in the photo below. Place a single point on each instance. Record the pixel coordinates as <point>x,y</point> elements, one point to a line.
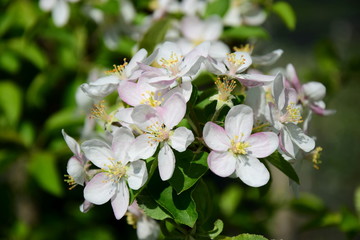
<point>42,65</point>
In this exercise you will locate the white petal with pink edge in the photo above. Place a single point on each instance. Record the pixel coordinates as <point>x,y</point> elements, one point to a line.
<point>98,152</point>
<point>181,139</point>
<point>215,137</point>
<point>251,171</point>
<point>100,189</point>
<point>239,122</point>
<point>137,174</point>
<point>222,163</point>
<point>262,144</point>
<point>120,200</point>
<point>166,159</point>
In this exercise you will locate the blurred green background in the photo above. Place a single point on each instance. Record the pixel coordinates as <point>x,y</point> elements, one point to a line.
<point>41,66</point>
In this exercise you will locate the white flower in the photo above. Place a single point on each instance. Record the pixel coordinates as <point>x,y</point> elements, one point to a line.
<point>60,10</point>
<point>118,171</point>
<point>236,151</point>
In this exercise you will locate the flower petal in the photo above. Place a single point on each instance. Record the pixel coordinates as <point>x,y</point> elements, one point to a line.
<point>60,13</point>
<point>254,80</point>
<point>267,59</point>
<point>142,147</point>
<point>72,144</point>
<point>145,116</point>
<point>181,139</point>
<point>221,163</point>
<point>314,91</point>
<point>215,137</point>
<point>75,168</point>
<point>251,171</point>
<point>120,200</point>
<point>262,144</point>
<point>100,189</point>
<point>166,159</point>
<point>98,152</point>
<point>298,136</point>
<point>122,140</point>
<point>173,110</point>
<point>137,174</point>
<point>239,122</point>
<point>101,87</point>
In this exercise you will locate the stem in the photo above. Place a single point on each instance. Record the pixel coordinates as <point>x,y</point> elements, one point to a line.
<point>179,228</point>
<point>194,124</point>
<point>216,114</point>
<point>261,126</point>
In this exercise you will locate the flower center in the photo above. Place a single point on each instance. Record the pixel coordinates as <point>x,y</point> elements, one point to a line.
<point>150,98</point>
<point>116,171</point>
<point>120,70</point>
<point>235,60</point>
<point>171,63</point>
<point>239,147</point>
<point>292,114</point>
<point>244,48</point>
<point>159,132</point>
<point>225,88</point>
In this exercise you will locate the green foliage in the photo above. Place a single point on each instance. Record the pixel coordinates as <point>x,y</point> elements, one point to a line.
<point>245,32</point>
<point>42,166</point>
<point>217,7</point>
<point>155,34</point>
<point>243,237</point>
<point>278,161</point>
<point>10,104</point>
<point>286,13</point>
<point>188,170</point>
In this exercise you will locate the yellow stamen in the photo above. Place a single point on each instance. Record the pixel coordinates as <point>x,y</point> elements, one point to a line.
<point>292,114</point>
<point>316,157</point>
<point>71,181</point>
<point>149,99</point>
<point>239,147</point>
<point>116,170</point>
<point>131,219</point>
<point>158,132</point>
<point>225,88</point>
<point>244,48</point>
<point>119,69</point>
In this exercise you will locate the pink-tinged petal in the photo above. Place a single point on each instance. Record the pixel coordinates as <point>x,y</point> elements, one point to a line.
<point>166,159</point>
<point>173,110</point>
<point>60,13</point>
<point>239,122</point>
<point>262,144</point>
<point>278,91</point>
<point>72,144</point>
<point>314,91</point>
<point>145,116</point>
<point>98,152</point>
<point>120,200</point>
<point>137,174</point>
<point>124,115</point>
<point>100,189</point>
<point>286,144</point>
<point>298,136</point>
<point>147,229</point>
<point>252,172</point>
<point>181,139</point>
<point>291,97</point>
<point>122,140</point>
<point>215,137</point>
<point>85,206</point>
<point>218,49</point>
<point>142,148</point>
<point>254,80</point>
<point>214,66</point>
<point>292,77</point>
<point>221,163</point>
<point>75,168</point>
<point>319,108</point>
<point>167,50</point>
<point>129,94</point>
<point>267,59</point>
<point>132,65</point>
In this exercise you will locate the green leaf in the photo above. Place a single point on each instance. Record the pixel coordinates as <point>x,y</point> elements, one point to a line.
<point>286,13</point>
<point>29,51</point>
<point>151,208</point>
<point>10,102</point>
<point>63,119</point>
<point>27,133</point>
<point>357,201</point>
<point>42,167</point>
<point>218,228</point>
<point>181,207</point>
<point>278,161</point>
<point>217,7</point>
<point>245,236</point>
<point>188,170</point>
<point>230,199</point>
<point>245,32</point>
<point>9,61</point>
<point>155,34</point>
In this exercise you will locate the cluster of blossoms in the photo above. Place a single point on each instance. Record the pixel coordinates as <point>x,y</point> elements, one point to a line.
<point>154,91</point>
<point>151,119</point>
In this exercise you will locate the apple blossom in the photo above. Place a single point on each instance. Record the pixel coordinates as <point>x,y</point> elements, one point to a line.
<point>234,150</point>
